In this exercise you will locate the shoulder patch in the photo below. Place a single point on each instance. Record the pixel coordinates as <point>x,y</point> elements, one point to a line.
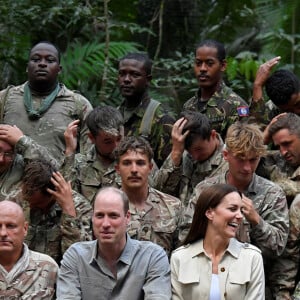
<point>243,111</point>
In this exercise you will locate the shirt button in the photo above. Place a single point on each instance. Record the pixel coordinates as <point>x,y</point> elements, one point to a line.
<point>222,269</point>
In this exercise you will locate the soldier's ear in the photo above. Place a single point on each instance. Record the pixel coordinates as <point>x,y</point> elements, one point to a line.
<point>91,137</point>
<point>225,154</point>
<point>25,228</point>
<point>223,65</point>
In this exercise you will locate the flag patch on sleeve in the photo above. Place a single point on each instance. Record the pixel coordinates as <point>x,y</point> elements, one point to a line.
<point>243,111</point>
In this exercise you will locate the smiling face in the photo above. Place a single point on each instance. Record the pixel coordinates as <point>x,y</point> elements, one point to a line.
<point>43,65</point>
<point>225,219</point>
<point>13,230</point>
<point>289,146</point>
<point>207,67</point>
<point>110,219</point>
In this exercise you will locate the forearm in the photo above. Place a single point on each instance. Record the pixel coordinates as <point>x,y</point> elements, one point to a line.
<point>31,150</point>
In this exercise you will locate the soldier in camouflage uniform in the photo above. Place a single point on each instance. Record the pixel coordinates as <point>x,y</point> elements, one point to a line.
<point>95,169</point>
<point>154,215</point>
<point>24,274</point>
<point>16,150</point>
<point>214,99</point>
<point>58,216</point>
<point>283,167</point>
<point>282,88</point>
<point>196,154</point>
<point>41,107</point>
<point>143,116</point>
<point>266,222</point>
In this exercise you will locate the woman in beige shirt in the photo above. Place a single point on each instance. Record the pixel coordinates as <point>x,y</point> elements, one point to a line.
<point>212,264</point>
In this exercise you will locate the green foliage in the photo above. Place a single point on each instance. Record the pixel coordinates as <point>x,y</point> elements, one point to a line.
<point>174,79</point>
<point>252,32</point>
<point>83,66</point>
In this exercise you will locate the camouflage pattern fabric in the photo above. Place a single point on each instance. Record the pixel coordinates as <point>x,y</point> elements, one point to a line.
<point>48,130</point>
<point>180,181</point>
<point>88,174</point>
<point>161,127</point>
<point>275,168</point>
<point>284,270</point>
<point>221,108</point>
<point>53,233</point>
<point>34,280</point>
<point>263,111</point>
<point>27,150</point>
<point>158,222</point>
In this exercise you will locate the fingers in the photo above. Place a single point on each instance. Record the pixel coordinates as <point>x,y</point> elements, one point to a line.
<point>178,128</point>
<point>72,128</point>
<point>274,61</point>
<point>58,181</point>
<point>76,122</point>
<point>268,65</point>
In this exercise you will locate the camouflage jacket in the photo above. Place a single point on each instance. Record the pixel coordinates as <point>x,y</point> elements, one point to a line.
<point>221,108</point>
<point>26,150</point>
<point>48,130</point>
<point>161,127</point>
<point>270,235</point>
<point>158,222</point>
<point>88,174</point>
<point>54,232</point>
<point>263,112</point>
<point>275,168</point>
<point>180,181</point>
<point>33,277</point>
<point>284,270</point>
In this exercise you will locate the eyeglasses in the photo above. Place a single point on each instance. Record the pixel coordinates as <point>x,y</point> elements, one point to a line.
<point>7,155</point>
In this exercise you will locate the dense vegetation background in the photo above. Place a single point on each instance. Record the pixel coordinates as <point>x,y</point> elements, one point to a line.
<point>93,34</point>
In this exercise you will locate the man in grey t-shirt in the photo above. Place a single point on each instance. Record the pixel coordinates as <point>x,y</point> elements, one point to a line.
<point>113,266</point>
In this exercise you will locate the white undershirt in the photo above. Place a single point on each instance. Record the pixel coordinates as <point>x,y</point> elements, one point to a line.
<point>214,288</point>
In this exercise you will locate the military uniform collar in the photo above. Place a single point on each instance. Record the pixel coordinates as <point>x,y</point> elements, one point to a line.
<point>140,109</point>
<point>152,196</point>
<point>93,158</point>
<point>62,92</point>
<point>211,101</point>
<point>37,214</point>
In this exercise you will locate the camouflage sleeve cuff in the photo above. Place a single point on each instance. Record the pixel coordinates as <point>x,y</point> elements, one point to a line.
<point>169,165</point>
<point>23,143</point>
<point>258,105</point>
<point>69,221</point>
<point>260,226</point>
<point>69,159</point>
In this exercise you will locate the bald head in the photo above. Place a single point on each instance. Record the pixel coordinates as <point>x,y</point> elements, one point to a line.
<point>106,192</point>
<point>10,207</point>
<point>13,229</point>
